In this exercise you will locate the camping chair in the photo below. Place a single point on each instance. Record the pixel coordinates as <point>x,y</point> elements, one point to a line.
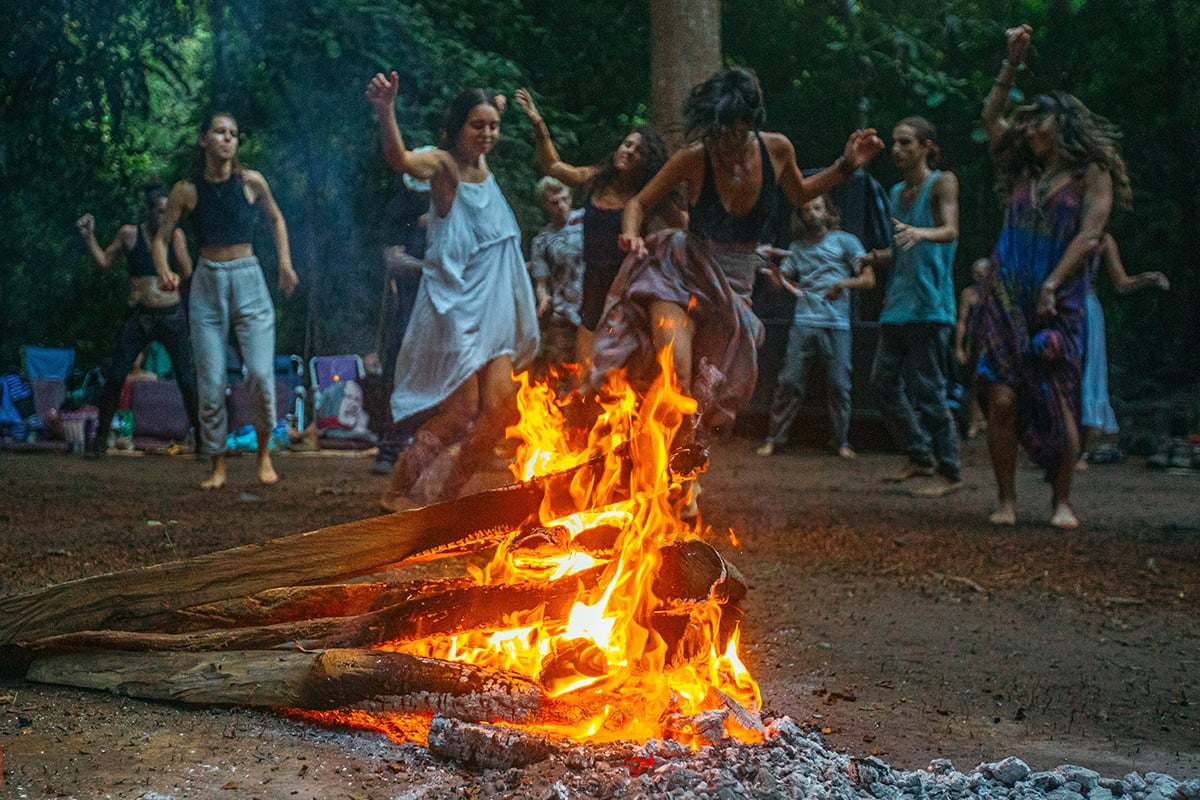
<point>326,372</point>
<point>47,370</point>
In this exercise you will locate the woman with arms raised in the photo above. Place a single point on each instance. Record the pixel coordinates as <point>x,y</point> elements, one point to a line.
<point>474,319</point>
<point>608,186</point>
<point>696,294</point>
<point>1060,174</point>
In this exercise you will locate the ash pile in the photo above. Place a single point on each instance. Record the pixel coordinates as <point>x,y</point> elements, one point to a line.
<point>792,763</point>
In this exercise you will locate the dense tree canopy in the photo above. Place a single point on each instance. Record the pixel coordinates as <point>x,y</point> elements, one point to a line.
<point>98,95</point>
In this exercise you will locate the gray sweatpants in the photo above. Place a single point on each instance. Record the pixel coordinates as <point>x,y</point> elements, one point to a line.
<point>233,294</point>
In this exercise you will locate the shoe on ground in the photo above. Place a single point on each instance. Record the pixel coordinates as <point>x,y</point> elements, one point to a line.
<point>846,451</point>
<point>382,466</point>
<point>767,449</point>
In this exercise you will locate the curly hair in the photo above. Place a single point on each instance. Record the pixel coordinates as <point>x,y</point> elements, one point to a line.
<point>1083,138</point>
<point>729,97</point>
<point>653,152</point>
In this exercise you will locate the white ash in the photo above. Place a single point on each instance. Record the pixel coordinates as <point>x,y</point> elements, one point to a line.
<point>794,764</point>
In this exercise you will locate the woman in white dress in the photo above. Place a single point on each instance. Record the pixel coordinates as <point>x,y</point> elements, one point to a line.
<point>474,320</point>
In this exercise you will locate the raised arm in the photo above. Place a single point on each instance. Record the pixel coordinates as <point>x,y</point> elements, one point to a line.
<point>1121,279</point>
<point>1097,205</point>
<point>548,157</point>
<point>997,99</point>
<point>266,201</point>
<point>860,148</point>
<point>435,166</point>
<point>86,225</point>
<point>181,201</point>
<point>944,205</point>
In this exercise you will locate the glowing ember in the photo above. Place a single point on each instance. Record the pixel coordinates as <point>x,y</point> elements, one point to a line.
<point>645,665</point>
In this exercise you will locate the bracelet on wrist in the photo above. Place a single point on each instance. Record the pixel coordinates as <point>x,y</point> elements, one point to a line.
<point>843,167</point>
<point>1006,64</point>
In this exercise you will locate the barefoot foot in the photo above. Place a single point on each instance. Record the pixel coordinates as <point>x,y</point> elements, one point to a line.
<point>266,470</point>
<point>1006,514</point>
<point>217,479</point>
<point>1064,517</point>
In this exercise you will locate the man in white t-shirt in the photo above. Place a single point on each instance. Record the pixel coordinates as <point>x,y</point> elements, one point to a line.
<point>818,268</point>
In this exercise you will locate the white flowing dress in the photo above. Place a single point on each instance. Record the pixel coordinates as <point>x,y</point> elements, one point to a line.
<point>475,302</point>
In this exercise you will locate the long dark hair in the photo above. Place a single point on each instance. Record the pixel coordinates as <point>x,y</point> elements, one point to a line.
<point>926,133</point>
<point>198,161</point>
<point>1083,138</point>
<point>456,115</point>
<point>653,152</point>
<point>730,96</point>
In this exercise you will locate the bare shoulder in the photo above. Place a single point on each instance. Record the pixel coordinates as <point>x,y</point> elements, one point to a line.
<point>946,181</point>
<point>255,180</point>
<point>128,235</point>
<point>777,144</point>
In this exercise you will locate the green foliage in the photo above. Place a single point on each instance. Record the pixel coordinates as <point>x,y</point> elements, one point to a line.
<point>97,95</point>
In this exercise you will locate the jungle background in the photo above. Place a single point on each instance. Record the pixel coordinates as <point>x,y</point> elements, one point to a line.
<point>96,96</point>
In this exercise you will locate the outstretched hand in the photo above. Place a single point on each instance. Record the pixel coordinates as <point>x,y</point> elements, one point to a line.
<point>525,101</point>
<point>1018,43</point>
<point>862,146</point>
<point>382,90</point>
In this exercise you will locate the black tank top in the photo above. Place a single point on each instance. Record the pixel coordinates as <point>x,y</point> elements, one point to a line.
<point>601,229</point>
<point>708,218</point>
<point>222,214</point>
<point>140,262</point>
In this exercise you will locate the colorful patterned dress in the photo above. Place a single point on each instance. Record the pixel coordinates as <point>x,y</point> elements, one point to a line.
<point>1039,357</point>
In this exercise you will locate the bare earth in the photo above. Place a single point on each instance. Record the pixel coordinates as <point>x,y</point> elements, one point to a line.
<point>905,628</point>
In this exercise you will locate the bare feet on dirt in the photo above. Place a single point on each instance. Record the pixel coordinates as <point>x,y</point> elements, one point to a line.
<point>266,470</point>
<point>1064,517</point>
<point>1006,514</point>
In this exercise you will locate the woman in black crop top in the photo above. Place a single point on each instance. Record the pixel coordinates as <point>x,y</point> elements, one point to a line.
<point>154,315</point>
<point>228,291</point>
<point>609,185</point>
<point>728,171</point>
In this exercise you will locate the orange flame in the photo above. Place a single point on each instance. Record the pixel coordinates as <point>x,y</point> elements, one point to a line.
<point>608,654</point>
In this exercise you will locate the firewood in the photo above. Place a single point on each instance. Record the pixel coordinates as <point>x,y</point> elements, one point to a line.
<point>486,746</point>
<point>445,613</point>
<point>331,679</point>
<point>298,603</point>
<point>137,599</point>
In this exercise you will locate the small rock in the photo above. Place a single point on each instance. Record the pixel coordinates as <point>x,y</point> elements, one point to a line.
<point>1008,771</point>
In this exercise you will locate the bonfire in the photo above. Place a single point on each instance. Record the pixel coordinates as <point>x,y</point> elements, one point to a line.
<point>601,616</point>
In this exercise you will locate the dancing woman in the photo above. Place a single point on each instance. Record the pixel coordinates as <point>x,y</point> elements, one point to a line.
<point>222,197</point>
<point>474,319</point>
<point>1060,173</point>
<point>693,291</point>
<point>608,186</point>
<point>154,314</point>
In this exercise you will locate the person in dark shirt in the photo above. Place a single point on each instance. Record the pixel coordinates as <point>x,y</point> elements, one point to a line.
<point>154,314</point>
<point>223,199</point>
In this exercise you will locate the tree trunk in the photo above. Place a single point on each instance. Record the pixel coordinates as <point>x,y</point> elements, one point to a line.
<point>685,44</point>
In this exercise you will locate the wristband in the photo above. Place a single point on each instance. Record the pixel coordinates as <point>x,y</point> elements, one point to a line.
<point>843,167</point>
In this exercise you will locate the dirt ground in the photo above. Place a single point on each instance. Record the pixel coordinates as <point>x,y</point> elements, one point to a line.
<point>905,628</point>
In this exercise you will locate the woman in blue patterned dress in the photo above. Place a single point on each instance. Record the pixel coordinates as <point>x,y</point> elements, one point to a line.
<point>1060,173</point>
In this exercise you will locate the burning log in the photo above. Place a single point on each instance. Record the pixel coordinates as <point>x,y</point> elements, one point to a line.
<point>140,599</point>
<point>331,679</point>
<point>486,746</point>
<point>445,613</point>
